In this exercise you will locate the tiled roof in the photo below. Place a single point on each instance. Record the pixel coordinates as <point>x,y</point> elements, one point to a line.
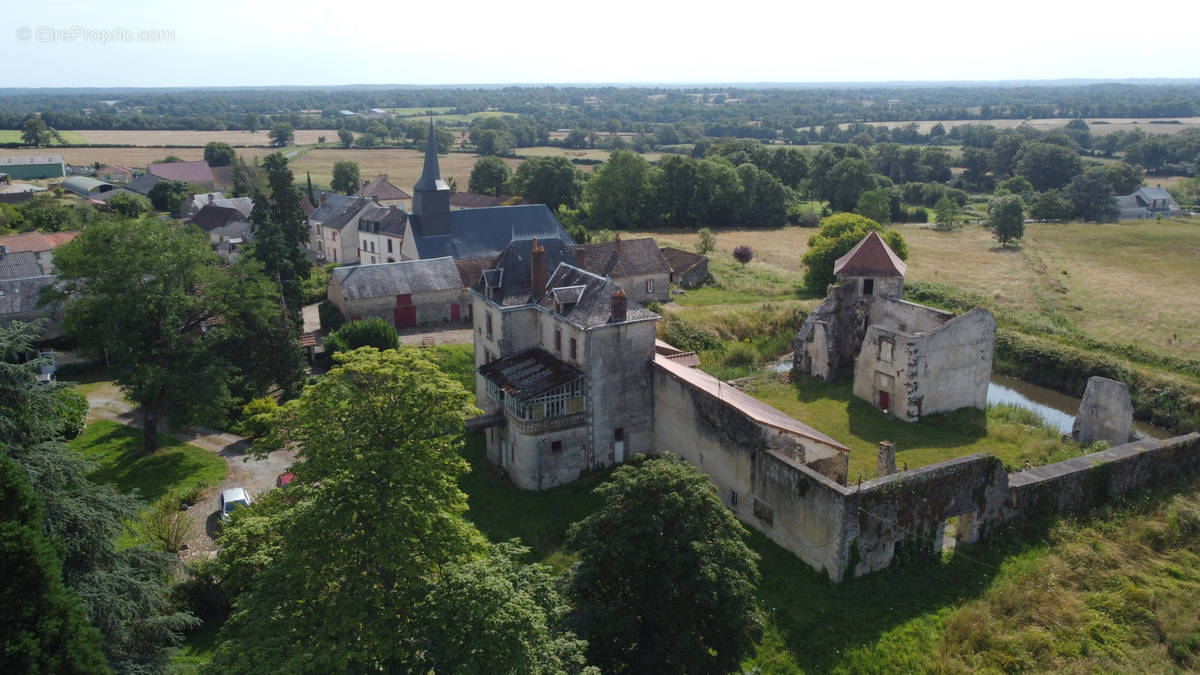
<point>212,216</point>
<point>411,276</point>
<point>18,296</point>
<point>37,241</point>
<point>532,372</point>
<point>485,232</point>
<point>382,189</point>
<point>474,200</point>
<point>679,260</point>
<point>471,270</point>
<point>188,172</point>
<point>20,265</point>
<point>634,257</point>
<point>742,402</point>
<point>871,257</point>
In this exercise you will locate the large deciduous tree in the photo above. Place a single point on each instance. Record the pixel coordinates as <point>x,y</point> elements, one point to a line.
<point>838,234</point>
<point>552,181</point>
<point>1048,165</point>
<point>282,134</point>
<point>1093,197</point>
<point>345,177</point>
<point>664,582</point>
<point>620,192</point>
<point>35,132</point>
<point>1006,218</point>
<point>219,154</point>
<point>489,176</point>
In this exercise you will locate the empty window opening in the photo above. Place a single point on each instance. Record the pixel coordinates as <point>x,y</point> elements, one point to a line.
<point>556,446</point>
<point>763,512</point>
<point>868,286</point>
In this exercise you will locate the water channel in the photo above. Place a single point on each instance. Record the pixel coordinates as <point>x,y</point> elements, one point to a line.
<point>1057,409</point>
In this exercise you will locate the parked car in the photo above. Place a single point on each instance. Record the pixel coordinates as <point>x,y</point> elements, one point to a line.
<point>285,479</point>
<point>231,499</point>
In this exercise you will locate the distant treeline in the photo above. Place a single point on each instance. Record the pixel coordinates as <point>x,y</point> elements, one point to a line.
<point>715,112</point>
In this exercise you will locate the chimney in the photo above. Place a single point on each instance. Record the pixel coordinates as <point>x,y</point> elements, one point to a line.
<point>391,207</point>
<point>618,243</point>
<point>322,199</point>
<point>885,462</point>
<point>619,305</point>
<point>537,270</point>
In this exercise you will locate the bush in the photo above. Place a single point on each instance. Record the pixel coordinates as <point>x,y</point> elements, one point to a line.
<point>689,337</point>
<point>199,592</point>
<point>369,332</point>
<point>257,417</point>
<point>803,215</point>
<point>331,317</point>
<point>316,287</point>
<point>743,254</point>
<point>73,408</point>
<point>840,233</point>
<point>740,355</point>
<point>167,524</point>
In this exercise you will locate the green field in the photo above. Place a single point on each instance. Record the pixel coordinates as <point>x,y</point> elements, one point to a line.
<point>175,468</point>
<point>14,136</point>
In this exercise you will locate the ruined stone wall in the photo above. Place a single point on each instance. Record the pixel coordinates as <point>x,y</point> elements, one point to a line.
<point>883,364</point>
<point>907,317</point>
<point>950,367</point>
<point>618,389</point>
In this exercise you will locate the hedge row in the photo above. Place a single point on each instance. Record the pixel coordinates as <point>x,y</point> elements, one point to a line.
<point>1166,402</point>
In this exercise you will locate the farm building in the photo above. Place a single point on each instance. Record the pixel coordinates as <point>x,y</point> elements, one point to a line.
<point>84,186</point>
<point>115,174</point>
<point>687,269</point>
<point>192,173</point>
<point>32,167</point>
<point>409,293</point>
<point>635,265</point>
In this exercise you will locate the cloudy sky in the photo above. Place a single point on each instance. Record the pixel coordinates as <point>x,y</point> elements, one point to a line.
<point>300,42</point>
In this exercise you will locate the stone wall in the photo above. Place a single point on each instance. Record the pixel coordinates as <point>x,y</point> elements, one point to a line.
<point>433,307</point>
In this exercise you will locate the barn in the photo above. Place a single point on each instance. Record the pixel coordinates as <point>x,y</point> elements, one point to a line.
<point>409,293</point>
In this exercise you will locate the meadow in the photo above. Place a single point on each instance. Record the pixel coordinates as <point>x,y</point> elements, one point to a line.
<point>132,157</point>
<point>14,136</point>
<point>197,139</point>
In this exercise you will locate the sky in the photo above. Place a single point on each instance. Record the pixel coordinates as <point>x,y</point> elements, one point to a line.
<point>215,43</point>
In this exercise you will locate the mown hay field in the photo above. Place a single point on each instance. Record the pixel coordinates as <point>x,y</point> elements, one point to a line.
<point>403,167</point>
<point>1131,283</point>
<point>1098,125</point>
<point>196,138</point>
<point>134,158</point>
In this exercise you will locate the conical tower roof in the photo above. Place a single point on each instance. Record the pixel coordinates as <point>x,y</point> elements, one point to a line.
<point>871,257</point>
<point>431,174</point>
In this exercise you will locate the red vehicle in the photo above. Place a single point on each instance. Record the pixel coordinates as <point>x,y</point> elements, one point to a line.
<point>285,479</point>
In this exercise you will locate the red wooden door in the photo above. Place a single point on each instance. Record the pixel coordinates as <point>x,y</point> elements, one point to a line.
<point>405,316</point>
<point>885,400</point>
<point>454,313</point>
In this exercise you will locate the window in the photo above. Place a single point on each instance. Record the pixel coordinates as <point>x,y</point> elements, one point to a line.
<point>373,260</point>
<point>763,512</point>
<point>389,245</point>
<point>555,446</point>
<point>886,349</point>
<point>868,286</point>
<point>574,350</point>
<point>334,234</point>
<point>372,247</point>
<point>733,499</point>
<point>618,434</point>
<point>649,285</point>
<point>489,325</point>
<point>557,340</point>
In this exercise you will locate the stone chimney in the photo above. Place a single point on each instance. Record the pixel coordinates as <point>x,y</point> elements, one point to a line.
<point>537,270</point>
<point>885,463</point>
<point>391,207</point>
<point>619,305</point>
<point>618,240</point>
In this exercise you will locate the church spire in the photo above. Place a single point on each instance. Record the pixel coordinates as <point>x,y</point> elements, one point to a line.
<point>431,175</point>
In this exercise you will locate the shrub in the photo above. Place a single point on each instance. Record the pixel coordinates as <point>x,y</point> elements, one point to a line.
<point>331,317</point>
<point>840,233</point>
<point>743,254</point>
<point>200,591</point>
<point>73,408</point>
<point>689,337</point>
<point>369,332</point>
<point>166,524</point>
<point>740,354</point>
<point>803,215</point>
<point>257,417</point>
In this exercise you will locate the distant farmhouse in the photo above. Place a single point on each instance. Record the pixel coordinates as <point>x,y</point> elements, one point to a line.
<point>908,360</point>
<point>33,167</point>
<point>1147,202</point>
<point>193,173</point>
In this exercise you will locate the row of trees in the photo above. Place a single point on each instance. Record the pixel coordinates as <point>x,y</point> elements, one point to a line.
<point>368,563</point>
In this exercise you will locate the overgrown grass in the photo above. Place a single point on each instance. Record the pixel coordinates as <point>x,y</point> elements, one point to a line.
<point>175,469</point>
<point>1016,436</point>
<point>539,518</point>
<point>457,361</point>
<point>196,651</point>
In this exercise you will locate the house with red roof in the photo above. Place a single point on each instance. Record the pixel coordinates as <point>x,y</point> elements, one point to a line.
<point>192,173</point>
<point>41,244</point>
<point>906,359</point>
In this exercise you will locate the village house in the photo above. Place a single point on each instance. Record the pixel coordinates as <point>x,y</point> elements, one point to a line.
<point>635,265</point>
<point>333,228</point>
<point>410,293</point>
<point>223,223</point>
<point>22,279</point>
<point>687,269</point>
<point>381,191</point>
<point>41,244</point>
<point>908,360</point>
<point>194,203</point>
<point>381,232</point>
<point>1146,202</point>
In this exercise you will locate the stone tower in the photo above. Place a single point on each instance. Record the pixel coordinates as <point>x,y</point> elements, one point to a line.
<point>431,194</point>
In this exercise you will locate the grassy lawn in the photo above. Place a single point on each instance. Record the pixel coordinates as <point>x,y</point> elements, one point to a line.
<point>196,651</point>
<point>457,361</point>
<point>175,468</point>
<point>1015,436</point>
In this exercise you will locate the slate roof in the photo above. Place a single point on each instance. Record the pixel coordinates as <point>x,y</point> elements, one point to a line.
<point>485,232</point>
<point>635,257</point>
<point>188,172</point>
<point>338,210</point>
<point>390,221</point>
<point>36,241</point>
<point>474,200</point>
<point>18,296</point>
<point>471,270</point>
<point>142,184</point>
<point>1152,193</point>
<point>243,204</point>
<point>382,189</point>
<point>871,257</point>
<point>412,276</point>
<point>20,265</point>
<point>593,306</point>
<point>212,216</point>
<point>431,174</point>
<point>679,260</point>
<point>530,373</point>
<point>514,282</point>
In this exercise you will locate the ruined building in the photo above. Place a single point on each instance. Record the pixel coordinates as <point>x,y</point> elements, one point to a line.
<point>908,360</point>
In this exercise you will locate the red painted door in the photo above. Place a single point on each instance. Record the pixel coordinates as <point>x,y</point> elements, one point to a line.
<point>454,313</point>
<point>885,401</point>
<point>405,316</point>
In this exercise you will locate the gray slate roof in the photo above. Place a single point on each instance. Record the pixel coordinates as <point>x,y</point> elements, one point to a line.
<point>338,210</point>
<point>389,221</point>
<point>1152,193</point>
<point>142,184</point>
<point>485,232</point>
<point>213,216</point>
<point>635,257</point>
<point>679,260</point>
<point>431,174</point>
<point>18,296</point>
<point>532,372</point>
<point>381,188</point>
<point>593,307</point>
<point>20,265</point>
<point>515,280</point>
<point>413,276</point>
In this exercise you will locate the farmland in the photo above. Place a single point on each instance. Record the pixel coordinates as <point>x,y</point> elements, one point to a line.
<point>194,138</point>
<point>1099,126</point>
<point>130,157</point>
<point>14,136</point>
<point>403,167</point>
